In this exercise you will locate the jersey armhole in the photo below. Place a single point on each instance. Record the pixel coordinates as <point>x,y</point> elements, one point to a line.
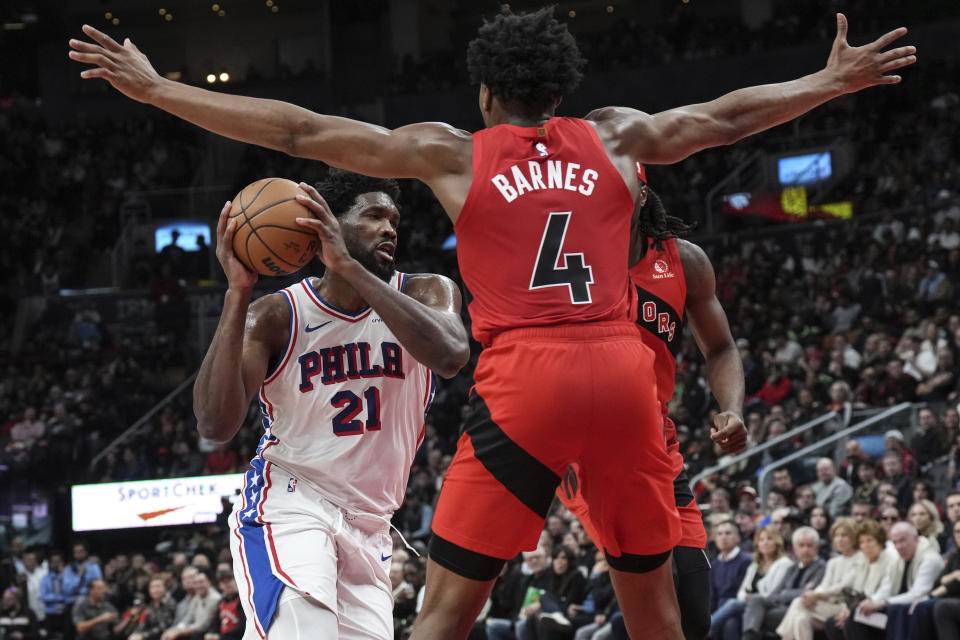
<point>475,160</point>
<point>606,157</point>
<point>291,342</point>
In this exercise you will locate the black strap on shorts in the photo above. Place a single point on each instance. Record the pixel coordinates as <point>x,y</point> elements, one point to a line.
<point>463,562</point>
<point>630,563</point>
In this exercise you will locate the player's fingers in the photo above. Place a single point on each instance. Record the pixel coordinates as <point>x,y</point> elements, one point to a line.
<point>222,220</point>
<point>889,80</point>
<point>841,28</point>
<point>899,63</point>
<point>128,44</point>
<point>315,196</point>
<point>103,39</point>
<point>317,225</point>
<point>899,52</point>
<point>86,47</point>
<point>91,58</point>
<point>99,72</point>
<point>888,37</point>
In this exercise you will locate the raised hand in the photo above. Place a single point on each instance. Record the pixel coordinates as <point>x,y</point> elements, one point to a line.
<point>238,276</point>
<point>333,250</point>
<point>123,66</point>
<point>857,68</point>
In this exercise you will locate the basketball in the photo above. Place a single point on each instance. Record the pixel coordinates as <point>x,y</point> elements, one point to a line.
<point>268,239</point>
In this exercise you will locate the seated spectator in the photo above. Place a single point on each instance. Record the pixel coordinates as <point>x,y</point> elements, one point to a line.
<point>831,492</point>
<point>854,455</point>
<point>745,523</point>
<point>29,577</point>
<point>600,603</point>
<point>946,595</point>
<point>769,565</point>
<point>926,518</point>
<point>889,516</point>
<point>414,516</point>
<point>952,507</point>
<point>893,465</point>
<point>158,614</point>
<point>93,615</point>
<point>804,498</point>
<point>861,510</point>
<point>729,566</point>
<point>17,622</point>
<point>720,510</point>
<point>561,584</point>
<point>896,443</point>
<point>898,386</point>
<point>872,541</point>
<point>909,579</point>
<point>820,521</point>
<point>52,593</point>
<point>78,575</point>
<point>764,613</point>
<point>187,586</point>
<point>811,609</point>
<point>510,592</point>
<point>783,483</point>
<point>201,611</point>
<point>231,622</point>
<point>937,387</point>
<point>926,442</point>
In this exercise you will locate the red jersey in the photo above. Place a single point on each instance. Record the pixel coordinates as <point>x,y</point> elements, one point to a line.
<point>544,232</point>
<point>661,296</point>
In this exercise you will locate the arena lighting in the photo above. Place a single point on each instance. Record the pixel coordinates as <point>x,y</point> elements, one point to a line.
<point>115,21</point>
<point>224,77</point>
<point>609,8</point>
<point>211,78</point>
<point>274,9</point>
<point>572,13</point>
<point>221,13</point>
<point>162,11</point>
<point>14,26</point>
<point>215,7</point>
<point>108,15</point>
<point>269,3</point>
<point>168,17</point>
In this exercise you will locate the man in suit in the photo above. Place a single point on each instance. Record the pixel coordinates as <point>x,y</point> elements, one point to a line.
<point>764,613</point>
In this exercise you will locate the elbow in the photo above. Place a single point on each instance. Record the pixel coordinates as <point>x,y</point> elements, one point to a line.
<point>293,140</point>
<point>216,432</point>
<point>453,361</point>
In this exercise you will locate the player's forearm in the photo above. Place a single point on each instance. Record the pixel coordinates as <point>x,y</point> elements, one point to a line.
<point>435,338</point>
<point>725,375</point>
<point>745,112</point>
<point>266,123</point>
<point>219,397</point>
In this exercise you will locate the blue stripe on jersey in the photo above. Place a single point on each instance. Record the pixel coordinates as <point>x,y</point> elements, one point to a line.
<point>433,390</point>
<point>266,586</point>
<point>350,314</point>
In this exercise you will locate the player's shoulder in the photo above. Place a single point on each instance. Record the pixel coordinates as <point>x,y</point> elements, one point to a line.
<point>697,267</point>
<point>431,289</point>
<point>614,124</point>
<point>269,312</point>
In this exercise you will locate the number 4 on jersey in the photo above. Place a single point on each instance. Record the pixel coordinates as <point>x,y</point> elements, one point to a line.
<point>548,271</point>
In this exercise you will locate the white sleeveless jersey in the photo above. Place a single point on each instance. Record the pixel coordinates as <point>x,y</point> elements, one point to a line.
<point>344,408</point>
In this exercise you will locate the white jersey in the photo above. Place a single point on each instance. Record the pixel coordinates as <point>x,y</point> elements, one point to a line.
<point>344,408</point>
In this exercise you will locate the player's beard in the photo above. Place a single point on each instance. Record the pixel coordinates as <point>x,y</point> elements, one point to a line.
<point>367,257</point>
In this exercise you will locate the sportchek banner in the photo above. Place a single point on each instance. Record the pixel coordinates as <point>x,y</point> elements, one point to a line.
<point>151,503</point>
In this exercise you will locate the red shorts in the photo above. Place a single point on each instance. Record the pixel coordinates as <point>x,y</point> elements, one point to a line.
<point>545,398</point>
<point>693,533</point>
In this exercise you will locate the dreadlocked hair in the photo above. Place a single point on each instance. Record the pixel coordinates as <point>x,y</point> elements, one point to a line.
<point>527,60</point>
<point>340,188</point>
<point>657,225</point>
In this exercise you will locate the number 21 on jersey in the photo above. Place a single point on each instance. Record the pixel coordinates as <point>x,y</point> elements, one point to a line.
<point>548,272</point>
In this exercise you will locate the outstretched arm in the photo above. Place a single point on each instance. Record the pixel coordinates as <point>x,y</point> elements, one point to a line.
<point>712,333</point>
<point>425,317</point>
<point>422,151</point>
<point>671,136</point>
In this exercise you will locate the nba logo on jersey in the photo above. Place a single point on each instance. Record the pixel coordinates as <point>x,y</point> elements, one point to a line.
<point>541,149</point>
<point>291,485</point>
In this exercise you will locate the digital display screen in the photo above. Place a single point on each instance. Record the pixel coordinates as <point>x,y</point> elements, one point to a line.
<point>151,503</point>
<point>805,169</point>
<point>188,230</point>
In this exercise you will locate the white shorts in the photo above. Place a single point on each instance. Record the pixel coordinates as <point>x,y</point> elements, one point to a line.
<point>285,534</point>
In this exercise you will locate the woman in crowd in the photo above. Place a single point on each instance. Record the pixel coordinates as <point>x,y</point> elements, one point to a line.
<point>561,584</point>
<point>158,614</point>
<point>808,612</point>
<point>871,539</point>
<point>926,518</point>
<point>763,575</point>
<point>820,520</point>
<point>889,516</point>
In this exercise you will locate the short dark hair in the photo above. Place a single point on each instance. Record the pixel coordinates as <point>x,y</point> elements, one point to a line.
<point>527,60</point>
<point>341,188</point>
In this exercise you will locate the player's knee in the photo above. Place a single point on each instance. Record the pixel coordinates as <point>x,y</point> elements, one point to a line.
<point>631,563</point>
<point>695,621</point>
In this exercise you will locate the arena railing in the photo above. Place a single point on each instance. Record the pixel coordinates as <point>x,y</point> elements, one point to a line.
<point>144,419</point>
<point>840,438</point>
<point>727,462</point>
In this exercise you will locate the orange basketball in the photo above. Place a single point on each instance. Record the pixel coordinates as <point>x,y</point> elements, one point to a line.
<point>268,239</point>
